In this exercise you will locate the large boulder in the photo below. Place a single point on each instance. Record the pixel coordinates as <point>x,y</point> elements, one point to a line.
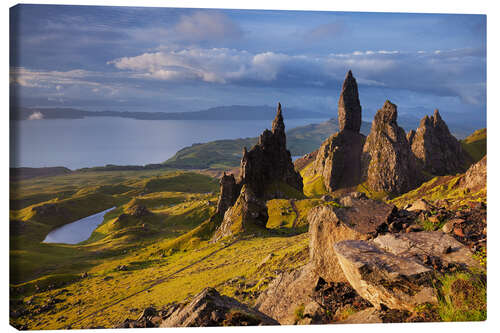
<point>349,108</point>
<point>209,308</point>
<point>438,152</point>
<point>286,293</point>
<point>388,163</point>
<point>358,218</point>
<point>397,270</point>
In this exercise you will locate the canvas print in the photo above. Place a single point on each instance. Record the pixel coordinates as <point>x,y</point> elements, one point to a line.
<point>176,167</point>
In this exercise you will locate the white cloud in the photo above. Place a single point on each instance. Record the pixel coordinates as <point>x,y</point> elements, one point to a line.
<point>37,115</point>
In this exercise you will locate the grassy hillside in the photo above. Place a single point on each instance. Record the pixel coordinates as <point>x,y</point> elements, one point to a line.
<point>134,260</point>
<point>475,144</point>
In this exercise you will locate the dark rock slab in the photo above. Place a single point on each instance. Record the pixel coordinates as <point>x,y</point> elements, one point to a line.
<point>209,308</point>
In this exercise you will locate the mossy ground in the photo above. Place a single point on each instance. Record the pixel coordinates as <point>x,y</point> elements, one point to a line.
<point>169,245</point>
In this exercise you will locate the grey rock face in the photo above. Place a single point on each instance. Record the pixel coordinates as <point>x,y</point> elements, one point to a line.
<point>388,163</point>
<point>209,308</point>
<point>349,107</point>
<point>438,152</point>
<point>360,219</point>
<point>397,270</point>
<point>229,191</point>
<point>475,177</point>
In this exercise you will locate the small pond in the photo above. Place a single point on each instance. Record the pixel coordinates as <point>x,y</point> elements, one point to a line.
<point>78,231</point>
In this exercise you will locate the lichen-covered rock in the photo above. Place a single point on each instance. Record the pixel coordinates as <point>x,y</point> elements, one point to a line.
<point>286,293</point>
<point>349,108</point>
<point>360,218</point>
<point>269,162</point>
<point>397,270</point>
<point>209,308</point>
<point>388,163</point>
<point>247,213</point>
<point>438,152</point>
<point>475,177</point>
<point>229,192</point>
<point>384,278</point>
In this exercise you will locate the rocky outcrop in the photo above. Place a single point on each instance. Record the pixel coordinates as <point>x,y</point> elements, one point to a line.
<point>388,162</point>
<point>396,270</point>
<point>438,152</point>
<point>229,192</point>
<point>358,218</point>
<point>269,162</point>
<point>266,172</point>
<point>338,159</point>
<point>349,108</point>
<point>209,308</point>
<point>475,177</point>
<point>248,212</point>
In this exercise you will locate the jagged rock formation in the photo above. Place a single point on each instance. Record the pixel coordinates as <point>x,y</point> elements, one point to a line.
<point>396,270</point>
<point>229,191</point>
<point>339,158</point>
<point>388,162</point>
<point>247,213</point>
<point>266,172</point>
<point>438,152</point>
<point>475,177</point>
<point>358,218</point>
<point>349,108</point>
<point>209,308</point>
<point>269,162</point>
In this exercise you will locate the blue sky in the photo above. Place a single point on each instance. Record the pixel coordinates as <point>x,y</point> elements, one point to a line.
<point>163,59</point>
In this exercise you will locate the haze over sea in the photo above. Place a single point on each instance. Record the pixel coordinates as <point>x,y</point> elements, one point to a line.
<point>89,142</point>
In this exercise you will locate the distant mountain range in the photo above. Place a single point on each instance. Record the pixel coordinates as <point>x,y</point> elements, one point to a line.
<point>233,112</point>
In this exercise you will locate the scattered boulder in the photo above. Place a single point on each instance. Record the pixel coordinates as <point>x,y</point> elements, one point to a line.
<point>138,211</point>
<point>397,270</point>
<point>438,152</point>
<point>388,163</point>
<point>209,308</point>
<point>420,204</point>
<point>359,218</point>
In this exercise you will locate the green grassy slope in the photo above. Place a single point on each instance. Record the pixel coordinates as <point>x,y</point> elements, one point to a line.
<point>475,144</point>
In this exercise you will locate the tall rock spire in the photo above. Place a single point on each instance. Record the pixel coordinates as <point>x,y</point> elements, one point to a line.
<point>349,109</point>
